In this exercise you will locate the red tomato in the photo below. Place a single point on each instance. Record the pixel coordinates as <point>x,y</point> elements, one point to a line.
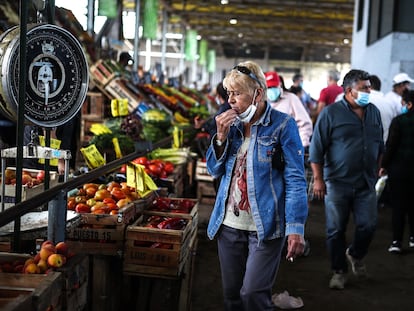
<point>141,160</point>
<point>154,169</point>
<point>169,167</point>
<point>123,169</point>
<point>118,194</point>
<point>82,208</point>
<point>40,175</point>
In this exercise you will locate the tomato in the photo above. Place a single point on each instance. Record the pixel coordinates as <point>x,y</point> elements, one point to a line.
<point>118,194</point>
<point>71,204</point>
<point>80,199</point>
<point>108,200</point>
<point>91,202</point>
<point>102,194</point>
<point>169,167</point>
<point>40,175</point>
<point>88,185</point>
<point>154,169</point>
<point>90,191</point>
<point>141,160</point>
<point>123,169</point>
<point>112,206</point>
<point>111,185</point>
<point>82,208</point>
<point>113,212</point>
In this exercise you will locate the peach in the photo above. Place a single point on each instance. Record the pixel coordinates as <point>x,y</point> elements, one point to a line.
<point>43,266</point>
<point>62,248</point>
<point>31,268</point>
<point>55,261</point>
<point>46,251</point>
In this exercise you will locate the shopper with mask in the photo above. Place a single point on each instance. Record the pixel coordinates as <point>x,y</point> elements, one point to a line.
<point>289,103</point>
<point>398,164</point>
<point>259,202</point>
<point>345,152</point>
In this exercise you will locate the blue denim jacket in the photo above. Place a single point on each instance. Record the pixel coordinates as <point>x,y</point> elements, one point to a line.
<point>278,200</point>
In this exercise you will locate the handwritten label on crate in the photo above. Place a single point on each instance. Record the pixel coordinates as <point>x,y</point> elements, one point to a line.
<point>90,234</point>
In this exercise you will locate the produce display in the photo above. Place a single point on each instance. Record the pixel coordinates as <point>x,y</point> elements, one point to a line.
<point>101,198</point>
<point>165,204</point>
<point>50,256</point>
<point>29,178</point>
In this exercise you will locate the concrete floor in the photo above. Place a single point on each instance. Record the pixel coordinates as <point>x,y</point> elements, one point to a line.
<point>390,285</point>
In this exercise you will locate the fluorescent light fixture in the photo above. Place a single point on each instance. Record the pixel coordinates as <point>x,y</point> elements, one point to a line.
<point>233,21</point>
<point>224,2</point>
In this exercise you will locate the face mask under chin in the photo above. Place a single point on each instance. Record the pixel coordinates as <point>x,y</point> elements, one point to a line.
<point>248,114</point>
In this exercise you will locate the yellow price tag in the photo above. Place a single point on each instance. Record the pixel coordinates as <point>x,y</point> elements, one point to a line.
<point>137,178</point>
<point>123,107</point>
<point>119,107</point>
<point>92,156</point>
<point>117,148</point>
<point>177,137</point>
<point>55,144</point>
<point>99,129</point>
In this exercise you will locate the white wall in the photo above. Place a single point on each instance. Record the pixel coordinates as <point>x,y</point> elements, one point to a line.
<point>386,57</point>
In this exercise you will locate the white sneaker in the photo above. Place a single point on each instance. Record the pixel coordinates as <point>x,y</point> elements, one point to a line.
<point>395,247</point>
<point>358,267</point>
<point>411,242</point>
<point>337,281</point>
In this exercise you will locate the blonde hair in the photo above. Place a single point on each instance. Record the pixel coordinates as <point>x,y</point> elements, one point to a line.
<point>242,81</point>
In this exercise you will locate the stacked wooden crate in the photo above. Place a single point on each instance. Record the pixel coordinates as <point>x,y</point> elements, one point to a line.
<point>206,193</point>
<point>92,111</point>
<point>104,234</point>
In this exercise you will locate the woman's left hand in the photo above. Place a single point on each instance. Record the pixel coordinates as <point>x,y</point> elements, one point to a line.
<point>295,247</point>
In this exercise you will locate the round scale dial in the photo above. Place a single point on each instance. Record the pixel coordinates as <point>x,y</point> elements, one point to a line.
<point>57,76</point>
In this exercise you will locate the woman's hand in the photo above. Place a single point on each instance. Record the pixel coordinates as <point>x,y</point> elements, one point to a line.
<point>295,247</point>
<point>223,122</point>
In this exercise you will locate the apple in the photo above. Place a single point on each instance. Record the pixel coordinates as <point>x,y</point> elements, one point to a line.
<point>62,248</point>
<point>55,261</point>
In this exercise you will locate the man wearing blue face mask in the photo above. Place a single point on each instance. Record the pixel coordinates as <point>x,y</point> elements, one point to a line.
<point>289,103</point>
<point>345,152</point>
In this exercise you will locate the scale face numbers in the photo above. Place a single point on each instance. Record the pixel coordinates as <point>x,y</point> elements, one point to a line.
<point>57,76</point>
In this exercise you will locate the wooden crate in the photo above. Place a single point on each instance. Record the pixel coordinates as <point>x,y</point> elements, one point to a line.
<point>201,172</point>
<point>94,106</point>
<point>175,181</point>
<point>104,234</point>
<point>86,239</point>
<point>27,193</point>
<point>192,215</point>
<point>144,291</point>
<point>75,283</point>
<point>37,292</point>
<point>206,193</point>
<point>101,74</point>
<point>142,259</point>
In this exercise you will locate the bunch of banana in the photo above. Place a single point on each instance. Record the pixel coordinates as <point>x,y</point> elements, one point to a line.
<point>178,117</point>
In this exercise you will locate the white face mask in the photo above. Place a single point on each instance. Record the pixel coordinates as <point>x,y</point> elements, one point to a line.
<point>248,114</point>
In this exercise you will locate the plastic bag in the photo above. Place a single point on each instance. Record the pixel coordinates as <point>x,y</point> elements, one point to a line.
<point>380,185</point>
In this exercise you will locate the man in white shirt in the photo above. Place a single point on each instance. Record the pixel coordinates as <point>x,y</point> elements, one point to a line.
<point>400,82</point>
<point>291,104</point>
<point>383,104</point>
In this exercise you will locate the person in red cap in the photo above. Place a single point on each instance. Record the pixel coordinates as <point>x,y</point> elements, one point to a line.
<point>290,104</point>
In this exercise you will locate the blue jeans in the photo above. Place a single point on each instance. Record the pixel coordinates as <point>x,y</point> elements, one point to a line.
<point>248,269</point>
<point>340,201</point>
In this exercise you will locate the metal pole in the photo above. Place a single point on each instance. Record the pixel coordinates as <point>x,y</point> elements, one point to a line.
<point>136,39</point>
<point>20,118</point>
<point>164,39</point>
